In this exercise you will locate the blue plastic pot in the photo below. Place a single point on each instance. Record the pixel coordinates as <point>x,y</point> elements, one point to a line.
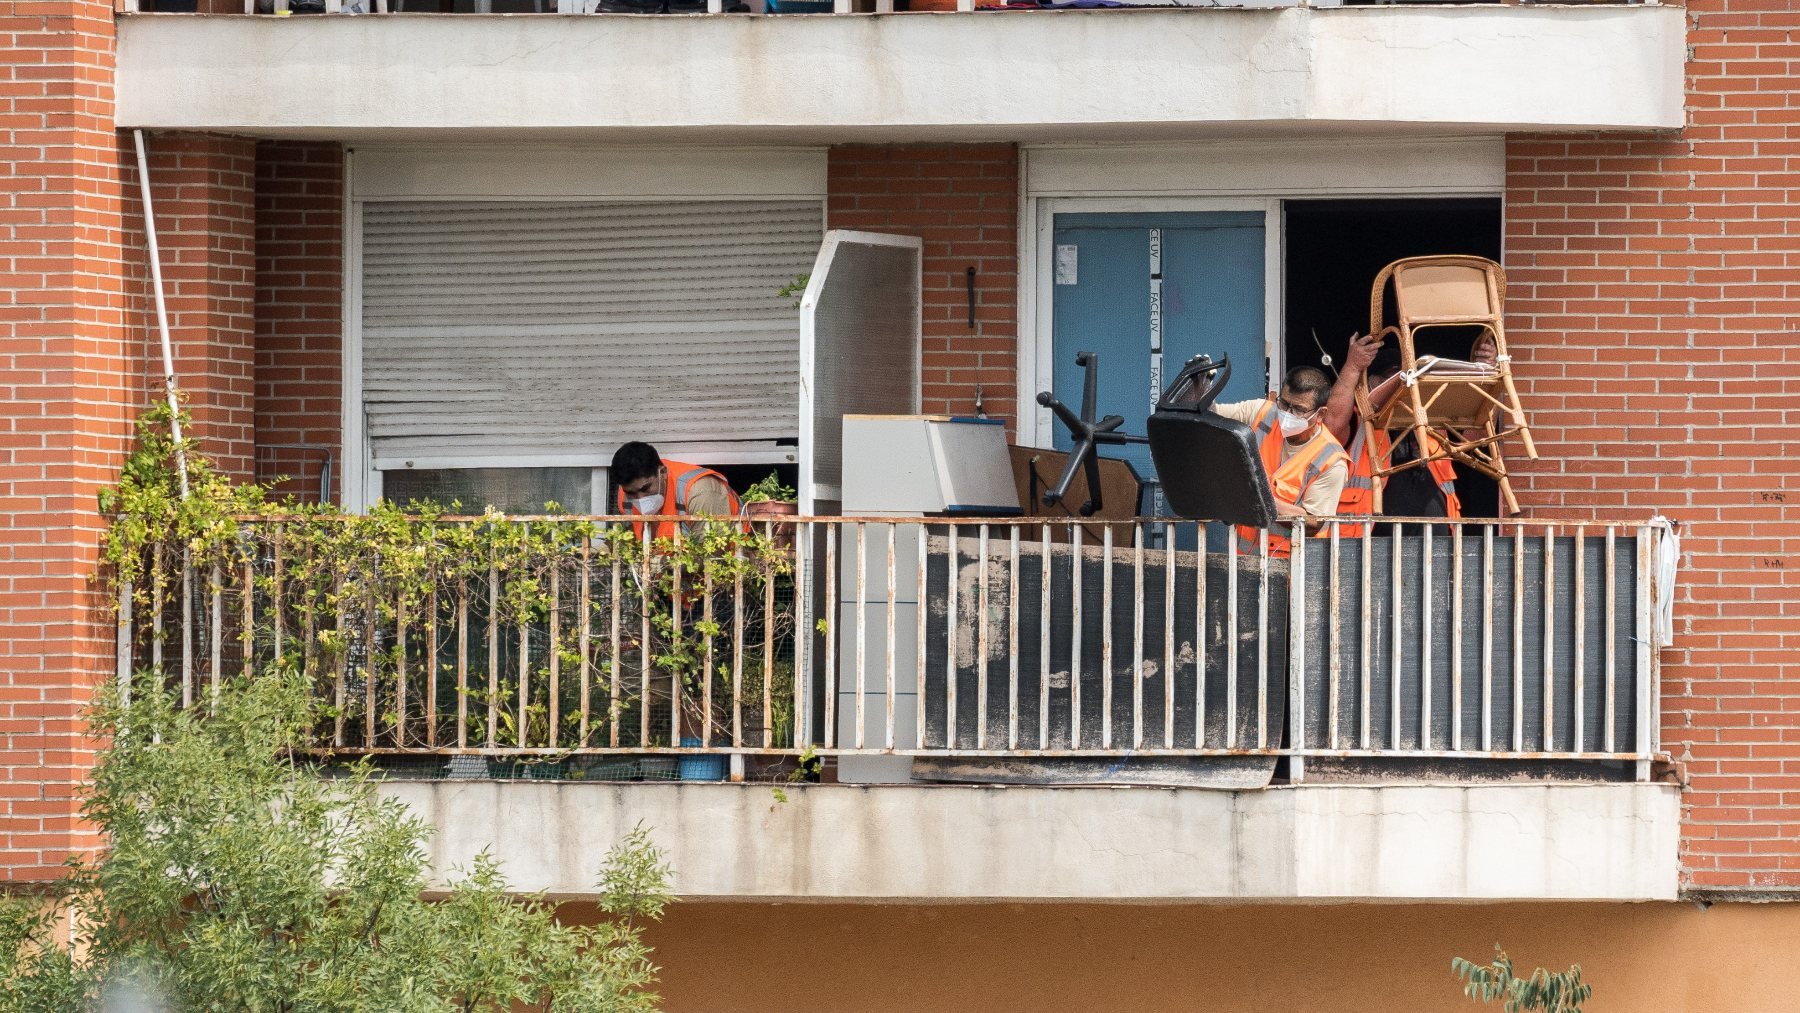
<point>700,768</point>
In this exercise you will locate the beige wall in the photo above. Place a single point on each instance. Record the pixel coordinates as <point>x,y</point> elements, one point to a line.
<point>1642,958</point>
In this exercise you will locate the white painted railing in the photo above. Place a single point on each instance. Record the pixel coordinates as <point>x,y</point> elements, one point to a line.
<point>283,7</point>
<point>1473,640</point>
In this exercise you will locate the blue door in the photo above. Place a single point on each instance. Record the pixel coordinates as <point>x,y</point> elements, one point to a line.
<point>1147,292</point>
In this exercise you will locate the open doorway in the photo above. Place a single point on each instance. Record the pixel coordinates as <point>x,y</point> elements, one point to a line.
<point>1334,249</point>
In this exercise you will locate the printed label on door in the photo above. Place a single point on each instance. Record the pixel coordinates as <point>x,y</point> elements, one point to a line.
<point>1065,264</point>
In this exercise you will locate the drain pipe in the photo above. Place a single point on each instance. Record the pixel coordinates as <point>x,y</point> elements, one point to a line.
<point>171,391</point>
<point>162,313</point>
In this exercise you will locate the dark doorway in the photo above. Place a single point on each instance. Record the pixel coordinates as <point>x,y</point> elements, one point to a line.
<point>1334,249</point>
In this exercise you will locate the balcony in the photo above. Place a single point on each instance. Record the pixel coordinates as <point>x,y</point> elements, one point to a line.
<point>1119,74</point>
<point>1463,709</point>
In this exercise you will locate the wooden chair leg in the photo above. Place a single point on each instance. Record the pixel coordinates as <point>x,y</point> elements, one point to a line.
<point>1516,415</point>
<point>1422,436</point>
<point>1530,447</point>
<point>1509,502</point>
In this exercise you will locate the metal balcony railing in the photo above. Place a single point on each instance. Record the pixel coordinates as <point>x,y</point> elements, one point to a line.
<point>1519,640</point>
<point>280,7</point>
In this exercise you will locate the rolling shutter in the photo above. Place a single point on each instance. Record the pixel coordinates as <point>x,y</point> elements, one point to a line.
<point>515,328</point>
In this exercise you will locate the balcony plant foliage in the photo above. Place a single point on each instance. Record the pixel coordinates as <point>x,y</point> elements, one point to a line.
<point>1543,992</point>
<point>770,489</point>
<point>236,875</point>
<point>418,630</point>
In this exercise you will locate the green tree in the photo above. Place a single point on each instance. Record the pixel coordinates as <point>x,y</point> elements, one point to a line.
<point>239,876</point>
<point>1545,991</point>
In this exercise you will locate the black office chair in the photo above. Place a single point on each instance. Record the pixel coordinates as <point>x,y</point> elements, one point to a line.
<point>1211,467</point>
<point>1089,434</point>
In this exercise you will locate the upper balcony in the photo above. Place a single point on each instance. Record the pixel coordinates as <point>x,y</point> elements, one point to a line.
<point>1113,74</point>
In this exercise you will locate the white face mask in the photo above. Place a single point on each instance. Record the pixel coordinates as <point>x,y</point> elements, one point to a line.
<point>1291,424</point>
<point>649,504</point>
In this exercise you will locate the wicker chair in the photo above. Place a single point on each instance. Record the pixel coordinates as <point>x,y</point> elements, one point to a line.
<point>1471,414</point>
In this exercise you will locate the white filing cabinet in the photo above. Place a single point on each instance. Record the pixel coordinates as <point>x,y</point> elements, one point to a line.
<point>900,466</point>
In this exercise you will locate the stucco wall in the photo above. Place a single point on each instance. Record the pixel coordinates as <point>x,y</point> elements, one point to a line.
<point>1641,958</point>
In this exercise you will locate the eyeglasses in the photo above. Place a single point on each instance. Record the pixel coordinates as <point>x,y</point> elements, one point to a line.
<point>1292,409</point>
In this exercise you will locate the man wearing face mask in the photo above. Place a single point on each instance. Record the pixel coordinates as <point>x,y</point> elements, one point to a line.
<point>1306,466</point>
<point>649,485</point>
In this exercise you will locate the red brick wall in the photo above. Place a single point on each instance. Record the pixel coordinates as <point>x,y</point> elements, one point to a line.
<point>205,220</point>
<point>66,356</point>
<point>299,310</point>
<point>1655,304</point>
<point>79,361</point>
<point>963,201</point>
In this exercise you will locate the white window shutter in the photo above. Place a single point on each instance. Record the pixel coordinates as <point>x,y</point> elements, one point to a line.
<point>536,328</point>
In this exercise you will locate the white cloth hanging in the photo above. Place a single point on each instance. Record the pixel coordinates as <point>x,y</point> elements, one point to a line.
<point>1668,562</point>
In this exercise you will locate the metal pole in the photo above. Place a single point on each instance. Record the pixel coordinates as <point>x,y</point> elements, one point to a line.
<point>169,388</point>
<point>162,312</point>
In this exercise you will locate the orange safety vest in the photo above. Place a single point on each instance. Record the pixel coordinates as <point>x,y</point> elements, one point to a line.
<point>680,480</point>
<point>1288,481</point>
<point>1368,446</point>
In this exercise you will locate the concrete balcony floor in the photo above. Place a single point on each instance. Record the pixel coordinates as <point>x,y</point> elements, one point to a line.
<point>899,843</point>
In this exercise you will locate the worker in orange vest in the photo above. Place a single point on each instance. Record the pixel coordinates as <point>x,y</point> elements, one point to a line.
<point>650,486</point>
<point>1306,466</point>
<point>1367,448</point>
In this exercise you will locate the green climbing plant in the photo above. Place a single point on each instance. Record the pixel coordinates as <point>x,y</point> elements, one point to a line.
<point>795,288</point>
<point>418,626</point>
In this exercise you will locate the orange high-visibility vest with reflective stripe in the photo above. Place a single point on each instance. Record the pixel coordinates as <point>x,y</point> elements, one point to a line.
<point>1444,473</point>
<point>1287,480</point>
<point>1369,446</point>
<point>680,481</point>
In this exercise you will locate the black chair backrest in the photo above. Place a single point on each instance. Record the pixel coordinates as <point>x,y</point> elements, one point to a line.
<point>1210,467</point>
<point>1198,384</point>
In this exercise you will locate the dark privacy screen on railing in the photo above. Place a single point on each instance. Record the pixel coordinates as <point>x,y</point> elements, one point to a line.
<point>1112,617</point>
<point>1463,669</point>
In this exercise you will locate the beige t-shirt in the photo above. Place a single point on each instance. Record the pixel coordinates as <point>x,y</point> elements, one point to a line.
<point>1321,497</point>
<point>709,497</point>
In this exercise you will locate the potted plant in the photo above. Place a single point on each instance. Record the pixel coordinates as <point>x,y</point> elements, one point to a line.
<point>772,500</point>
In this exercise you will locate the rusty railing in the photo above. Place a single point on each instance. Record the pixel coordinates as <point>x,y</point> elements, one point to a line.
<point>1521,640</point>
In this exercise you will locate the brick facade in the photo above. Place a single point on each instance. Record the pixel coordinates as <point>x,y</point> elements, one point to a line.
<point>202,189</point>
<point>1655,294</point>
<point>79,361</point>
<point>963,201</point>
<point>65,358</point>
<point>299,312</point>
<point>1655,303</point>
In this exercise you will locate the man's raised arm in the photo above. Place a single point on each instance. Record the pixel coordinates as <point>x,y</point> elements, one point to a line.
<point>1340,408</point>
